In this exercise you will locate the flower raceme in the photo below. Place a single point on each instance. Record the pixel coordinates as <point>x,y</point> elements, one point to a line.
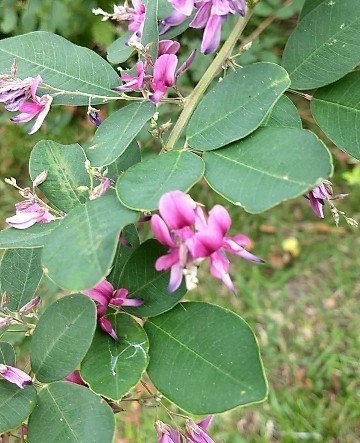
<point>105,295</point>
<point>163,74</point>
<point>210,16</point>
<point>135,15</point>
<point>192,236</point>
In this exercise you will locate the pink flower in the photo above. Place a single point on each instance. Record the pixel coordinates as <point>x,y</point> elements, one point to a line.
<point>196,432</point>
<point>14,375</point>
<point>135,15</point>
<point>166,434</point>
<point>14,92</point>
<point>105,295</point>
<point>132,82</point>
<point>191,237</point>
<point>210,16</point>
<point>39,108</point>
<point>27,214</point>
<point>317,197</point>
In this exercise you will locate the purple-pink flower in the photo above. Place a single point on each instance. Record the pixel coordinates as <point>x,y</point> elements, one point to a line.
<point>14,93</point>
<point>27,214</point>
<point>211,14</point>
<point>192,236</point>
<point>105,294</point>
<point>15,375</point>
<point>157,76</point>
<point>135,15</point>
<point>197,432</point>
<point>76,378</point>
<point>317,197</point>
<point>166,434</point>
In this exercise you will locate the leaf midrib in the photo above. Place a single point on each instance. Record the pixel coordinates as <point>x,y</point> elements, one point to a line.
<point>277,177</point>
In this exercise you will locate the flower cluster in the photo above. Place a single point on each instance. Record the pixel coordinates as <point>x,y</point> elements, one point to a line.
<point>20,95</point>
<point>105,295</point>
<point>192,236</point>
<point>195,432</point>
<point>135,15</point>
<point>27,214</point>
<point>164,73</point>
<point>210,15</point>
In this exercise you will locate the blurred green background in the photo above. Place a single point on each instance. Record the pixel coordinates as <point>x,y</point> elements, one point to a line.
<point>303,303</point>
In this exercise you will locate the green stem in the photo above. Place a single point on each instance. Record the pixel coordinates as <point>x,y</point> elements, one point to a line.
<point>193,99</point>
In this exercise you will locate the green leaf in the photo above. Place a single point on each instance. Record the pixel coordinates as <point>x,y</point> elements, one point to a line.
<point>131,156</point>
<point>268,167</point>
<point>336,109</point>
<point>123,253</point>
<point>150,33</point>
<point>62,337</point>
<point>309,5</point>
<point>79,253</point>
<point>7,354</point>
<point>113,369</point>
<point>116,133</point>
<point>119,51</point>
<point>33,237</point>
<point>205,359</point>
<point>142,280</point>
<point>325,45</point>
<point>66,412</point>
<point>15,405</point>
<point>65,165</point>
<point>62,65</point>
<point>20,275</point>
<point>164,173</point>
<point>236,106</point>
<point>283,114</point>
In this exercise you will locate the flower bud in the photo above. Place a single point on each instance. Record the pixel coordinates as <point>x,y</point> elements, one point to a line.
<point>4,300</point>
<point>30,305</point>
<point>40,179</point>
<point>5,322</point>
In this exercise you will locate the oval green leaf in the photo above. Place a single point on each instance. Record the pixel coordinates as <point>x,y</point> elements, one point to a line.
<point>119,51</point>
<point>309,5</point>
<point>62,65</point>
<point>65,165</point>
<point>164,173</point>
<point>7,354</point>
<point>150,33</point>
<point>325,45</point>
<point>78,254</point>
<point>62,337</point>
<point>116,133</point>
<point>142,280</point>
<point>268,167</point>
<point>131,156</point>
<point>113,369</point>
<point>236,106</point>
<point>336,109</point>
<point>15,405</point>
<point>284,114</point>
<point>205,359</point>
<point>20,275</point>
<point>123,253</point>
<point>66,412</point>
<point>33,237</point>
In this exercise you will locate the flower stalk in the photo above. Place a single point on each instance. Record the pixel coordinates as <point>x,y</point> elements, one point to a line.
<point>193,99</point>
